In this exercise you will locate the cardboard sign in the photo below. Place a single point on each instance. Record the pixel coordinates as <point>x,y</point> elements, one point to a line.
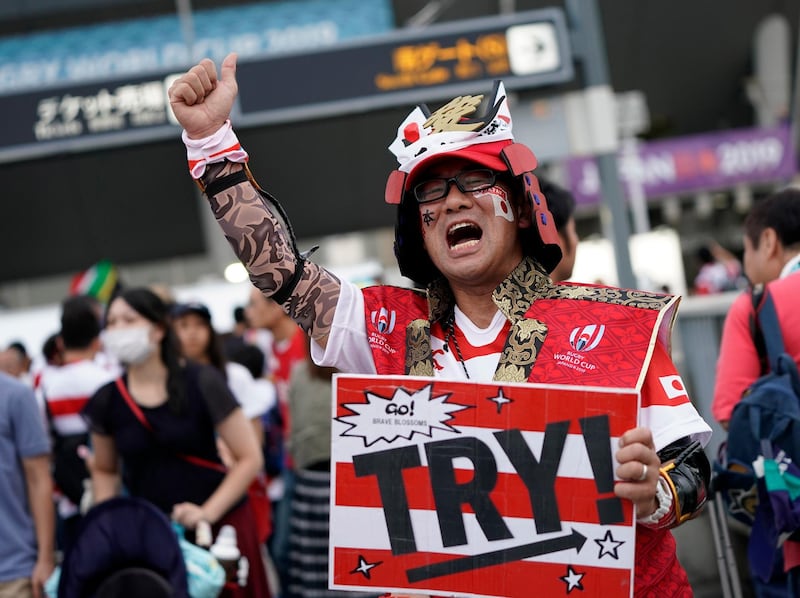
<point>467,489</point>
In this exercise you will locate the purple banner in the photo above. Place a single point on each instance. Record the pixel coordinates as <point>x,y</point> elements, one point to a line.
<point>693,163</point>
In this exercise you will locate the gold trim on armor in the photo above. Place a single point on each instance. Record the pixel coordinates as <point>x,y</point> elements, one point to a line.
<point>526,284</point>
<point>419,361</point>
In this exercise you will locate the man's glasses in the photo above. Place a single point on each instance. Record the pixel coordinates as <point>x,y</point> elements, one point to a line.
<point>467,182</point>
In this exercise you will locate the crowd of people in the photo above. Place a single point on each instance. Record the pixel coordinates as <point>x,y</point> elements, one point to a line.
<point>142,396</point>
<point>719,271</point>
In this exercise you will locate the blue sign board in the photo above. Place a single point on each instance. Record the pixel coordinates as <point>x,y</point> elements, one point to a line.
<point>525,50</point>
<point>144,45</point>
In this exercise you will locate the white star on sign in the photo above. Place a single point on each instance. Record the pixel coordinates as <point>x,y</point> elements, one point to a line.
<point>572,579</point>
<point>608,545</point>
<point>500,400</point>
<point>364,566</point>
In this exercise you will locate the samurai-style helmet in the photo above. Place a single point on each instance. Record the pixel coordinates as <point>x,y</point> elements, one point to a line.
<point>454,130</point>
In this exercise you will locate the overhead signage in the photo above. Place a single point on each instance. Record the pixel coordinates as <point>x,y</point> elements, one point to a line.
<point>135,46</point>
<point>86,117</point>
<point>526,49</point>
<point>468,489</point>
<point>694,163</point>
<point>127,106</point>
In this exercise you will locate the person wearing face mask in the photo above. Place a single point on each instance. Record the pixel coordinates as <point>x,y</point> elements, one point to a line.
<point>154,430</point>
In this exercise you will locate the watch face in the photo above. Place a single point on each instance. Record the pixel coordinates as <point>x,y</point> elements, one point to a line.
<point>532,48</point>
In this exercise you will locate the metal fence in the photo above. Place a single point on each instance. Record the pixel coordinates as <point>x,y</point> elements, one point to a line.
<point>695,349</point>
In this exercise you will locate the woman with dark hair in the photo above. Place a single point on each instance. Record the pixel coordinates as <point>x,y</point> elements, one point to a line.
<point>199,342</point>
<point>160,421</point>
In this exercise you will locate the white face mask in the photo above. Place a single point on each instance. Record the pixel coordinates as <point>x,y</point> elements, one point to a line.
<point>129,345</point>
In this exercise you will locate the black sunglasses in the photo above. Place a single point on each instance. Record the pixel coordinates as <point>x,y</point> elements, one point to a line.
<point>468,181</point>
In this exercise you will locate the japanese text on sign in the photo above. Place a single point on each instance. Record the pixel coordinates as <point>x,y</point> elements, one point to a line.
<point>430,63</point>
<point>130,105</point>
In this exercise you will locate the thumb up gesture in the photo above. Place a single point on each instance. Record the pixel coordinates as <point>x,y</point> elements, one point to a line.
<point>200,100</point>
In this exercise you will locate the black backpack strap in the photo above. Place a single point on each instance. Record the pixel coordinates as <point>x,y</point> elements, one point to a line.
<point>770,330</point>
<point>756,295</point>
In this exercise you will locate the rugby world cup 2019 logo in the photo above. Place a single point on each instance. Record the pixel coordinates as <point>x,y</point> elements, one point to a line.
<point>586,338</point>
<point>383,320</point>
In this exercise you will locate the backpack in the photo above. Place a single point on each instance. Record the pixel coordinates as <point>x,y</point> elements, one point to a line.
<point>68,468</point>
<point>768,412</point>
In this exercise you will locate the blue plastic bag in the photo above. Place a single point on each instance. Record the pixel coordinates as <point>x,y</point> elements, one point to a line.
<point>51,585</point>
<point>206,576</point>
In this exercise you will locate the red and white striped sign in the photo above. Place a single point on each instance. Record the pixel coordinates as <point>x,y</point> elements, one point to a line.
<point>468,489</point>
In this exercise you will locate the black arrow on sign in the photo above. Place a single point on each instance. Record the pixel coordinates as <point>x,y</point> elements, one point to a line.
<point>574,540</point>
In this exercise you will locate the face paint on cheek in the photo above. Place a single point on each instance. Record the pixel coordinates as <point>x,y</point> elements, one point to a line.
<point>499,197</point>
<point>428,218</point>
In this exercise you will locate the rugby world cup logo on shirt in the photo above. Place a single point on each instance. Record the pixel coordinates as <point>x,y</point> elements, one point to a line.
<point>581,339</point>
<point>586,338</point>
<point>383,320</point>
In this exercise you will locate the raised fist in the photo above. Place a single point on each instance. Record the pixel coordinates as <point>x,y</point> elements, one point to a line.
<point>202,102</point>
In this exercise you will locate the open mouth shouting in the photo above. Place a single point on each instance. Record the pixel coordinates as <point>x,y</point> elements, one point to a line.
<point>463,235</point>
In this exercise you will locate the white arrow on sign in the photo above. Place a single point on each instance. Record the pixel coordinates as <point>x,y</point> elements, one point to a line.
<point>532,48</point>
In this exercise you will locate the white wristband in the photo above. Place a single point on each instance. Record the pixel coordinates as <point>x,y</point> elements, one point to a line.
<point>222,145</point>
<point>664,499</point>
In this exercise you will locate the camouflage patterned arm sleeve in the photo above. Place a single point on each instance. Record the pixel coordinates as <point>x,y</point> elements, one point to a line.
<point>262,238</point>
